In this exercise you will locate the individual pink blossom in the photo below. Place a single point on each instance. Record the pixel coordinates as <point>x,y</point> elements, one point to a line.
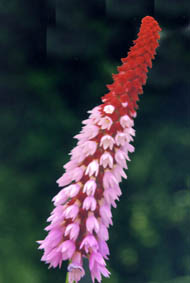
<point>120,157</point>
<point>105,123</point>
<point>73,190</point>
<point>78,155</point>
<point>72,230</point>
<point>89,203</point>
<point>75,269</point>
<point>77,173</point>
<point>106,160</point>
<point>124,104</point>
<point>90,187</point>
<point>106,215</point>
<point>92,224</point>
<point>64,180</point>
<point>110,196</point>
<point>95,114</point>
<point>109,181</point>
<point>67,249</point>
<point>64,194</point>
<point>83,150</point>
<point>125,121</point>
<point>53,257</point>
<point>109,109</point>
<point>56,215</point>
<point>73,175</point>
<point>103,248</point>
<point>52,240</point>
<point>70,165</point>
<point>60,198</point>
<point>93,168</point>
<point>90,131</point>
<point>120,138</point>
<point>107,142</point>
<point>97,267</point>
<point>118,173</point>
<point>76,272</point>
<point>103,232</point>
<point>89,243</point>
<point>82,214</point>
<point>71,211</point>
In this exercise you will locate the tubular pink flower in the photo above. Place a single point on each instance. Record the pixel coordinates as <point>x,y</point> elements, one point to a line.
<point>110,196</point>
<point>71,211</point>
<point>76,272</point>
<point>64,194</point>
<point>75,269</point>
<point>96,257</point>
<point>92,224</point>
<point>67,249</point>
<point>92,169</point>
<point>90,187</point>
<point>103,248</point>
<point>60,198</point>
<point>80,152</point>
<point>53,257</point>
<point>73,190</point>
<point>79,222</point>
<point>105,213</point>
<point>118,173</point>
<point>52,240</point>
<point>70,165</point>
<point>120,158</point>
<point>64,180</point>
<point>106,160</point>
<point>107,142</point>
<point>89,203</point>
<point>109,181</point>
<point>120,138</point>
<point>56,215</point>
<point>97,267</point>
<point>73,175</point>
<point>109,109</point>
<point>89,148</point>
<point>103,232</point>
<point>126,122</point>
<point>89,243</point>
<point>95,115</point>
<point>90,131</point>
<point>105,123</point>
<point>73,231</point>
<point>77,173</point>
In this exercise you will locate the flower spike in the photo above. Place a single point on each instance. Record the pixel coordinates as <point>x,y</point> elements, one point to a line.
<point>82,215</point>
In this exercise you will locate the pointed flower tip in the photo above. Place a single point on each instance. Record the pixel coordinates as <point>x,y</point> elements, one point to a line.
<point>150,20</point>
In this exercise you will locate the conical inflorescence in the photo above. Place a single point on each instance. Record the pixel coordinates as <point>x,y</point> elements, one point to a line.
<point>79,222</point>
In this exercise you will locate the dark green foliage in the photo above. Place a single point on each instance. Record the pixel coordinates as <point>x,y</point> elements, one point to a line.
<point>55,63</point>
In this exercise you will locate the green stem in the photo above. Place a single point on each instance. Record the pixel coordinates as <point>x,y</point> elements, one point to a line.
<point>67,278</point>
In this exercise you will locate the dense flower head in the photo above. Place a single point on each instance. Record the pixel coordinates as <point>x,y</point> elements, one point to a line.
<point>90,185</point>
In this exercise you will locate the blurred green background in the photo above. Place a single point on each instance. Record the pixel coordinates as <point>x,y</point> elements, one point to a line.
<point>55,60</point>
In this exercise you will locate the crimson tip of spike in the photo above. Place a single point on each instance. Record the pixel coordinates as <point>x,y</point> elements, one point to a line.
<point>148,20</point>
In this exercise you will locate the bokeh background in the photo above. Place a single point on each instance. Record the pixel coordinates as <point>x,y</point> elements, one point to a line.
<point>55,59</point>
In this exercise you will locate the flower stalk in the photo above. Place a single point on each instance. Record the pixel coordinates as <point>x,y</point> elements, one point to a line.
<point>90,185</point>
<point>67,278</point>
